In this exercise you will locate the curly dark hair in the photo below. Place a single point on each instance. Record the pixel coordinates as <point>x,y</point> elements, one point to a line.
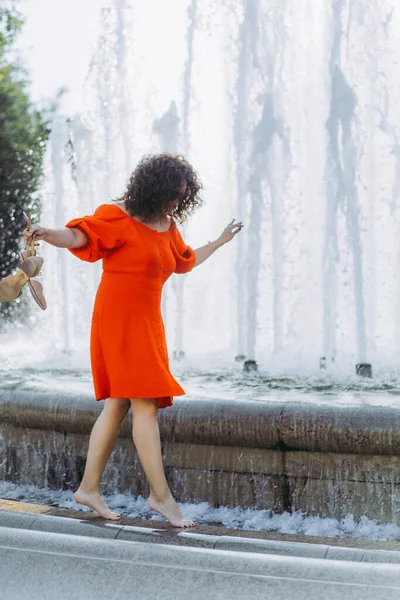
<point>158,181</point>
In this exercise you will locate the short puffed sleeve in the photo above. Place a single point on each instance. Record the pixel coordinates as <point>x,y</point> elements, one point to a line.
<point>104,230</point>
<point>184,255</point>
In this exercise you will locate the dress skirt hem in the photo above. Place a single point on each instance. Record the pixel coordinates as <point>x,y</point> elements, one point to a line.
<point>162,401</point>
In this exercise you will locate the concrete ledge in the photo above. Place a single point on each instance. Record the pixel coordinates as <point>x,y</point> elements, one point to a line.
<point>43,566</point>
<point>169,536</point>
<point>112,568</point>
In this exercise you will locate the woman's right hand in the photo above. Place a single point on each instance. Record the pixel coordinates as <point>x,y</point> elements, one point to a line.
<point>36,230</point>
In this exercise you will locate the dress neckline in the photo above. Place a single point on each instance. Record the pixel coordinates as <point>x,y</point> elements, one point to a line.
<point>144,225</point>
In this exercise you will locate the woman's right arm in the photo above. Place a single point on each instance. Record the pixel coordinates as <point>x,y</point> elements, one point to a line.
<point>69,237</point>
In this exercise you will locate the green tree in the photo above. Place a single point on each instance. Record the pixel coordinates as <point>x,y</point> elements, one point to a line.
<point>24,131</point>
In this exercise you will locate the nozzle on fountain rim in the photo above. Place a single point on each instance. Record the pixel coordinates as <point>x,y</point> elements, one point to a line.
<point>250,365</point>
<point>364,370</point>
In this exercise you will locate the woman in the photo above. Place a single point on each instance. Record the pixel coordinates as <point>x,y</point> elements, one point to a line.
<point>140,245</point>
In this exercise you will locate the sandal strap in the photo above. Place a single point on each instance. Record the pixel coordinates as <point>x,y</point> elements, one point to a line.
<point>31,244</point>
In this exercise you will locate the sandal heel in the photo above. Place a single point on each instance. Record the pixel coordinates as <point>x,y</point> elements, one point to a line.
<point>11,287</point>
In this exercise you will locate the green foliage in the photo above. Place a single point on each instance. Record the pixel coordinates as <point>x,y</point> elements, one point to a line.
<point>10,24</point>
<point>24,132</point>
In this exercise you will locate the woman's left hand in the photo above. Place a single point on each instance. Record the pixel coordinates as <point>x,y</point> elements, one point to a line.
<point>229,232</point>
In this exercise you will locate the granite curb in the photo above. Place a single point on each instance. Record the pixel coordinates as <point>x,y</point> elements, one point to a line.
<point>160,533</point>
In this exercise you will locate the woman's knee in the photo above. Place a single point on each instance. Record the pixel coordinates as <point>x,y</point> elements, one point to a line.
<point>117,406</point>
<point>144,407</point>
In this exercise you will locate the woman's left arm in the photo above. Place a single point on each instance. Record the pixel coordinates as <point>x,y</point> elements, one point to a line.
<point>227,235</point>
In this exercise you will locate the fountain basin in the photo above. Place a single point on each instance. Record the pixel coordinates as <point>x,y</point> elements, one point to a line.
<point>324,460</point>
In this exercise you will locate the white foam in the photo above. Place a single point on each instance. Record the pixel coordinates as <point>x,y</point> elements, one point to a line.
<point>233,518</point>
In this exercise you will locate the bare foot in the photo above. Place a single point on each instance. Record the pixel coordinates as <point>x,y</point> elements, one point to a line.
<point>171,511</point>
<point>96,502</point>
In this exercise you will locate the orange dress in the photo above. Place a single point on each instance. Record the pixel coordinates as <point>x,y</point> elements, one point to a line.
<point>128,347</point>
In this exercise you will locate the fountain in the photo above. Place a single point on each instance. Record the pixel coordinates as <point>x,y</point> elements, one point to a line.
<point>290,118</point>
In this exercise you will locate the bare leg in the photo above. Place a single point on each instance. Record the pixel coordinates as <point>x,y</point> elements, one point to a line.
<point>102,441</point>
<point>146,436</point>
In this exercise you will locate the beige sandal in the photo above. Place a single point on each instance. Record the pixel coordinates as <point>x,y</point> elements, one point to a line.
<point>36,288</point>
<point>11,287</point>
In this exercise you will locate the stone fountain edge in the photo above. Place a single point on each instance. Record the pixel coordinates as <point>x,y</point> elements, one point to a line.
<point>285,426</point>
